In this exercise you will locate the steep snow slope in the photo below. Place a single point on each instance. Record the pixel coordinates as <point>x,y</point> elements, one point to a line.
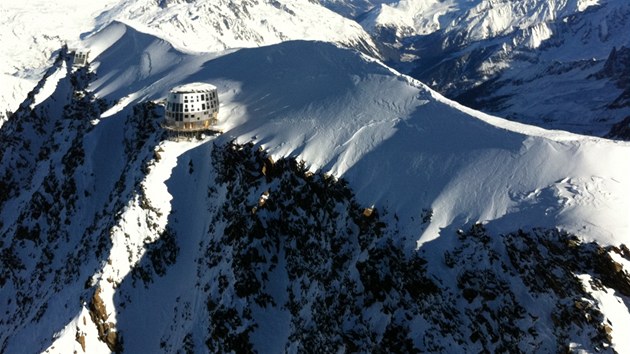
<point>35,29</point>
<point>116,240</point>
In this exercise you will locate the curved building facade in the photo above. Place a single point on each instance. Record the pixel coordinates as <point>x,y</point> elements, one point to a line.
<point>192,107</point>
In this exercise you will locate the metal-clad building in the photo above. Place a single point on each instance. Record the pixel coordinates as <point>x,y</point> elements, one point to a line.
<point>192,107</point>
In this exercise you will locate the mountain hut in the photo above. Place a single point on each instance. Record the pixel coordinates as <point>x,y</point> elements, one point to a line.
<point>80,58</point>
<point>192,107</point>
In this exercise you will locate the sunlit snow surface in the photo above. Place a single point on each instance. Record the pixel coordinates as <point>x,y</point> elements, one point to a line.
<point>402,146</point>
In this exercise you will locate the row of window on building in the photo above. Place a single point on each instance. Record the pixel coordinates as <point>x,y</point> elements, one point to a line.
<point>189,98</point>
<point>184,107</point>
<point>179,117</point>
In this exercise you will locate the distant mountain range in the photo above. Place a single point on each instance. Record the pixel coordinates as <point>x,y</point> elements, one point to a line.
<point>537,62</point>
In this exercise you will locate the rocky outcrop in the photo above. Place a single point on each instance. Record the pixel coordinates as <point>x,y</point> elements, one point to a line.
<point>106,329</point>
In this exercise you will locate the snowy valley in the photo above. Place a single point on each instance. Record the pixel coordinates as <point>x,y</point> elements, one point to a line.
<point>341,206</point>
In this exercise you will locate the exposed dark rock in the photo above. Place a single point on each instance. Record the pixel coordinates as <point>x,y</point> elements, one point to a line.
<point>313,224</point>
<point>106,330</point>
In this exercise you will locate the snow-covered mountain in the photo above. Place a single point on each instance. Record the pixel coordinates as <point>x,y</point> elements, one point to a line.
<point>353,8</point>
<point>344,207</point>
<point>210,26</point>
<point>198,26</point>
<point>531,61</point>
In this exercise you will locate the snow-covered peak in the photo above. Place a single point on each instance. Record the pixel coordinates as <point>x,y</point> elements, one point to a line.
<point>353,8</point>
<point>473,20</point>
<point>409,17</point>
<point>489,19</point>
<point>210,26</point>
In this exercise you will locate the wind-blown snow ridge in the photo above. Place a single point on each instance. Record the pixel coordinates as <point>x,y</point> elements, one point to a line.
<point>401,145</point>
